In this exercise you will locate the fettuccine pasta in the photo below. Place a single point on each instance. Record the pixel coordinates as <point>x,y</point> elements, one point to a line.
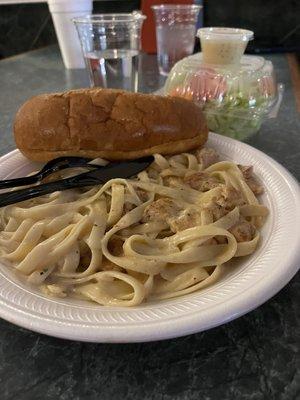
<point>162,234</point>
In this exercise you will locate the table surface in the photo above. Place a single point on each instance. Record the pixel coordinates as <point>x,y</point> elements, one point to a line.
<point>254,357</point>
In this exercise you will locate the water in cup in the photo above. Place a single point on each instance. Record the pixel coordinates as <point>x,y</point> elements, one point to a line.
<point>114,68</point>
<point>110,45</point>
<point>168,53</point>
<point>175,33</point>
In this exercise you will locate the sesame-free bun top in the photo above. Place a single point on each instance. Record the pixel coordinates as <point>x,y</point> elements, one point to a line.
<point>112,124</point>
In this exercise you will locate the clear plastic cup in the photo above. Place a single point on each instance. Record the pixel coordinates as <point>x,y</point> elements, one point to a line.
<point>111,45</point>
<point>175,33</point>
<point>223,46</point>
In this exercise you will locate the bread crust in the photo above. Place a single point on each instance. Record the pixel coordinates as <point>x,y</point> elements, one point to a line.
<point>107,123</point>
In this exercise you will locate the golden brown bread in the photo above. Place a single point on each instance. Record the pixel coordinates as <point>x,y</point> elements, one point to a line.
<point>107,123</point>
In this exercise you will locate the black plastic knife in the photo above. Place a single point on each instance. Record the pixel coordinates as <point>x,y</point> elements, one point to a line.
<point>124,169</point>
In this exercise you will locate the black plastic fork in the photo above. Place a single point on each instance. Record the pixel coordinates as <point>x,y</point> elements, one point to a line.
<point>122,170</point>
<point>52,166</point>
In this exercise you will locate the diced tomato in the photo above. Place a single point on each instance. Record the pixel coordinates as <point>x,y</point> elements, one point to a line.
<point>204,85</point>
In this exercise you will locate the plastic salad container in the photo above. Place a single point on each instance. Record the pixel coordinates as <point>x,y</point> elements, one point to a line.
<point>236,92</point>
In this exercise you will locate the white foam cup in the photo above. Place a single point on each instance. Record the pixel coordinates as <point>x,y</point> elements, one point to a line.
<point>62,12</point>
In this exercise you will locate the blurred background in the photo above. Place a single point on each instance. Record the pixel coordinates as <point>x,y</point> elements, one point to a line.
<point>27,25</point>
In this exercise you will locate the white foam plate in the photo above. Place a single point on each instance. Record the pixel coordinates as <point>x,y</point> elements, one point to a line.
<point>243,286</point>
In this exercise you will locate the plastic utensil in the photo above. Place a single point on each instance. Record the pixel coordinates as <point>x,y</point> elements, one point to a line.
<point>48,169</point>
<point>98,176</point>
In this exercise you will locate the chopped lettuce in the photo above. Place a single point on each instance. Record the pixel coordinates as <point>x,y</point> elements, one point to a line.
<point>237,117</point>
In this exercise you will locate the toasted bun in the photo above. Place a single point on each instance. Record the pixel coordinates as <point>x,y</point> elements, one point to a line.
<point>112,124</point>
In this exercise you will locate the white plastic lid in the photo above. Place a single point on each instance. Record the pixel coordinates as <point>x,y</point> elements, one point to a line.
<point>229,90</point>
<point>227,34</point>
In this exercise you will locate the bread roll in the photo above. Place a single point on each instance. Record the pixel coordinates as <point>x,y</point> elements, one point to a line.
<point>107,123</point>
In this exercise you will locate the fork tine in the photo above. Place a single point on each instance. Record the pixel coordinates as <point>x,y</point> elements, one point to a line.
<point>50,167</point>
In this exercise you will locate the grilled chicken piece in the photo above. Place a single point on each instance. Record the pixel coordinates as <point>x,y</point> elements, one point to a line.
<point>207,157</point>
<point>250,179</point>
<point>167,210</point>
<point>173,181</point>
<point>228,199</point>
<point>201,181</point>
<point>160,210</point>
<point>217,211</point>
<point>185,220</point>
<point>243,231</point>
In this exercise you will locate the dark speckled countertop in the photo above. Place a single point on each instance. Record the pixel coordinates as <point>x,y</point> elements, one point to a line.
<point>253,358</point>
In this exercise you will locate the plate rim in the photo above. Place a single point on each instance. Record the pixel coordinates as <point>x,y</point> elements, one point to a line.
<point>158,330</point>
